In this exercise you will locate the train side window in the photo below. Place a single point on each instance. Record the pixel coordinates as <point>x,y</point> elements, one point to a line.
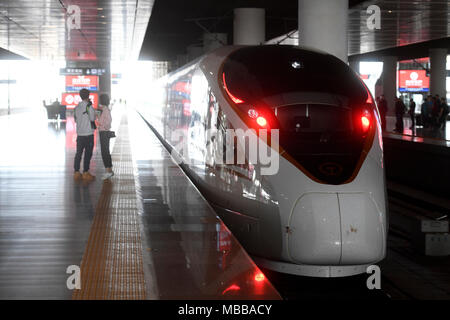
<point>222,125</point>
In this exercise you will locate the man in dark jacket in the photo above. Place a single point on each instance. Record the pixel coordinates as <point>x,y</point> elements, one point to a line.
<point>399,111</point>
<point>436,112</point>
<point>382,107</point>
<point>444,113</point>
<point>412,113</point>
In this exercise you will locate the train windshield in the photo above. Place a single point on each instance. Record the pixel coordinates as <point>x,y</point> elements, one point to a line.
<point>255,73</point>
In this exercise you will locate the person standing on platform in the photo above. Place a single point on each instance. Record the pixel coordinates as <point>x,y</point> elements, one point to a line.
<point>104,125</point>
<point>399,111</point>
<point>382,107</point>
<point>423,110</point>
<point>85,120</point>
<point>426,112</point>
<point>445,112</point>
<point>436,112</point>
<point>412,113</point>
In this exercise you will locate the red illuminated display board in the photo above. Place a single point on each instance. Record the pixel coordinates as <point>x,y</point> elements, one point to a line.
<point>71,99</point>
<point>75,83</point>
<point>413,81</point>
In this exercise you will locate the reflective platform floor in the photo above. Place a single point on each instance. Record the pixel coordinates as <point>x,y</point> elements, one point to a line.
<point>146,234</point>
<point>419,134</point>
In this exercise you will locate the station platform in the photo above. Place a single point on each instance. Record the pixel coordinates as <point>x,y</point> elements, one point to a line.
<point>418,158</point>
<point>418,134</point>
<point>146,234</point>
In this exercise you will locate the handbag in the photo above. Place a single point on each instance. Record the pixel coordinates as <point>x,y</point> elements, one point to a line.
<point>111,134</point>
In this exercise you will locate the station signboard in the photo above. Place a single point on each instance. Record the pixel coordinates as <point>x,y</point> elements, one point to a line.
<point>76,83</point>
<point>81,71</point>
<point>71,71</point>
<point>71,99</point>
<point>8,81</point>
<point>413,81</point>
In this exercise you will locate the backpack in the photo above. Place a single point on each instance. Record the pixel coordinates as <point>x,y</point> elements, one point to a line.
<point>93,125</point>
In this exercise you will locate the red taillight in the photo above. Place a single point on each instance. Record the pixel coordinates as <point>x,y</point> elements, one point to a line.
<point>261,121</point>
<point>259,277</point>
<point>235,99</point>
<point>365,123</point>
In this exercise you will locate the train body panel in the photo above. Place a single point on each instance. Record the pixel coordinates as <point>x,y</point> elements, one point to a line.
<point>329,221</point>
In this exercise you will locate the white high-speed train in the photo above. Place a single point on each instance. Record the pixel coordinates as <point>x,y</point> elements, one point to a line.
<point>323,213</point>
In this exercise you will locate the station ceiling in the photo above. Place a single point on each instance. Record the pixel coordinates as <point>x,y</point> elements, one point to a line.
<point>115,29</point>
<point>403,22</point>
<point>175,24</point>
<point>108,29</point>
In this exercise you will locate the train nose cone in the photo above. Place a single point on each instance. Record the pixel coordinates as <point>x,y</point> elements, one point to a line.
<point>362,228</point>
<point>314,230</point>
<point>335,229</point>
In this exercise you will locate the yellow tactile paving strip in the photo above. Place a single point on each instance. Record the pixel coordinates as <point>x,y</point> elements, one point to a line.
<point>112,265</point>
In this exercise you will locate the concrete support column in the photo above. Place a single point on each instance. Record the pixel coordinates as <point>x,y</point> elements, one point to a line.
<point>105,78</point>
<point>438,72</point>
<point>354,64</point>
<point>389,80</point>
<point>249,26</point>
<point>212,41</point>
<point>323,25</point>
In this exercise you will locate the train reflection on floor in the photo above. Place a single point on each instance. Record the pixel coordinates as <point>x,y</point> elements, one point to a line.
<point>419,131</point>
<point>293,287</point>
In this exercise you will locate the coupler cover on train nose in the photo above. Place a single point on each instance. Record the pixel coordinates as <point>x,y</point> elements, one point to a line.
<point>335,229</point>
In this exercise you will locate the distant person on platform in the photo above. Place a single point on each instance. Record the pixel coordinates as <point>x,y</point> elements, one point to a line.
<point>445,111</point>
<point>399,112</point>
<point>85,119</point>
<point>423,107</point>
<point>52,109</point>
<point>426,112</point>
<point>436,112</point>
<point>104,126</point>
<point>382,107</point>
<point>412,113</point>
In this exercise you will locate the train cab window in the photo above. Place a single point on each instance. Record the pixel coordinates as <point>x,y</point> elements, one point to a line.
<point>314,118</point>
